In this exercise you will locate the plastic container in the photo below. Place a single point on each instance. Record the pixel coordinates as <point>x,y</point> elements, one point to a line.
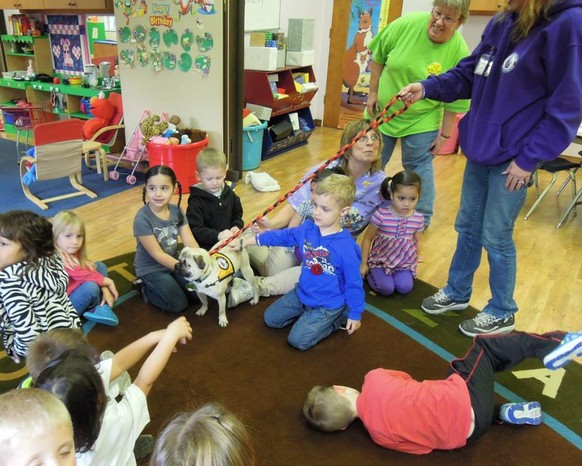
<point>179,157</point>
<point>252,146</point>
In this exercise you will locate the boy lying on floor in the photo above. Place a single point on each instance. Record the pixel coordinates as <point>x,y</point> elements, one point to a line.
<point>418,417</point>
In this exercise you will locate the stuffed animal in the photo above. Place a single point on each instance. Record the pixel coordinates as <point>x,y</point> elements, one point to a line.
<point>152,126</point>
<point>103,111</point>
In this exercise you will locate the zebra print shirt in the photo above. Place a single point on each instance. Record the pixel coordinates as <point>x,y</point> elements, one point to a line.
<point>32,302</point>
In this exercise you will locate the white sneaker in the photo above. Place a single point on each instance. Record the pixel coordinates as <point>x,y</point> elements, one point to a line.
<point>240,291</point>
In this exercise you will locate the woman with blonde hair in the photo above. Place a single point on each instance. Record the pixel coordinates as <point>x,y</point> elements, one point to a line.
<point>209,436</point>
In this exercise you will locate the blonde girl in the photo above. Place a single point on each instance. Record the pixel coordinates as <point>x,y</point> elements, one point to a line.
<point>158,226</point>
<point>90,290</point>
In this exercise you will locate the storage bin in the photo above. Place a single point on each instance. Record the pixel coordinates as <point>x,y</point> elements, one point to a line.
<point>452,144</point>
<point>179,157</point>
<point>252,146</point>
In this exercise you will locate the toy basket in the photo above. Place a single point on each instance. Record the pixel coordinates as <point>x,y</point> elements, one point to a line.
<point>24,116</point>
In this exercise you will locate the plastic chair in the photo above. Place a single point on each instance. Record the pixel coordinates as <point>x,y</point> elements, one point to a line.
<point>106,136</point>
<point>59,149</point>
<point>554,167</point>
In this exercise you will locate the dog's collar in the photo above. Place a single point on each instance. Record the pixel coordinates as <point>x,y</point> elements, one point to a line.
<point>205,274</point>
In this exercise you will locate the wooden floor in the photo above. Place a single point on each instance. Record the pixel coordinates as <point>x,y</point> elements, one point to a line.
<point>549,281</point>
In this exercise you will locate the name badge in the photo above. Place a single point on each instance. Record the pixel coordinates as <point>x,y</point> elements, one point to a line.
<point>484,65</point>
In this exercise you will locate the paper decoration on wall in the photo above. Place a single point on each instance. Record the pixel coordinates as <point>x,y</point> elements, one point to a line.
<point>185,7</point>
<point>205,42</point>
<point>131,8</point>
<point>199,23</point>
<point>186,40</point>
<point>127,57</point>
<point>202,64</point>
<point>207,7</point>
<point>170,37</point>
<point>139,34</point>
<point>169,60</point>
<point>124,34</point>
<point>65,37</point>
<point>185,62</point>
<point>142,55</point>
<point>160,15</point>
<point>156,60</point>
<point>154,38</point>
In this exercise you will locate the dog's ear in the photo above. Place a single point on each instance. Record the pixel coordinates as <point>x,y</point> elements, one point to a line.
<point>200,262</point>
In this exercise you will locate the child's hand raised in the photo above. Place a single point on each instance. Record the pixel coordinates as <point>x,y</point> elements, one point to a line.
<point>180,330</point>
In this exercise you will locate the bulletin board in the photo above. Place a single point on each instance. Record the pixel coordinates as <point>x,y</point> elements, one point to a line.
<point>262,14</point>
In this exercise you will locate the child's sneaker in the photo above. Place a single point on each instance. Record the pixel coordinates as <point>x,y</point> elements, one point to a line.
<point>569,348</point>
<point>521,413</point>
<point>487,324</point>
<point>440,302</point>
<point>102,315</point>
<point>240,291</point>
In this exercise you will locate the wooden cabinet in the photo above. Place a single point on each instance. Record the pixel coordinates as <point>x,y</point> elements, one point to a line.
<point>262,88</point>
<point>484,7</point>
<point>79,4</point>
<point>22,4</point>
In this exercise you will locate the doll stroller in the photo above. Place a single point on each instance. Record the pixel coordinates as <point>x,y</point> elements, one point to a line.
<point>134,153</point>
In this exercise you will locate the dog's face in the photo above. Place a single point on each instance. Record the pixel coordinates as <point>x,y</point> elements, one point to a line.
<point>193,263</point>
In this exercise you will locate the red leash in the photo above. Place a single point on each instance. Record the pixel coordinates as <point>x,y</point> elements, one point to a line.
<point>380,119</point>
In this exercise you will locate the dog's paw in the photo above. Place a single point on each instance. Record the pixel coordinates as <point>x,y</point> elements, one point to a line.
<point>200,312</point>
<point>223,322</point>
<point>255,300</point>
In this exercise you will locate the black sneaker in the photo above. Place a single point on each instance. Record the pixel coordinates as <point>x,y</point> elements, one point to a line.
<point>440,302</point>
<point>487,324</point>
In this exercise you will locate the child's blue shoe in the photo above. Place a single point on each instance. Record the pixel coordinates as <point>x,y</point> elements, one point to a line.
<point>521,413</point>
<point>102,315</point>
<point>570,348</point>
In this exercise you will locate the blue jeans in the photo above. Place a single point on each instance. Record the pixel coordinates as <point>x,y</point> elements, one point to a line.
<point>486,219</point>
<point>417,158</point>
<point>88,295</point>
<point>312,324</point>
<point>166,291</point>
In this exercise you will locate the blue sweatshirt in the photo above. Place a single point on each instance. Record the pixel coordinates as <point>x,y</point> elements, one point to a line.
<point>529,106</point>
<point>337,257</point>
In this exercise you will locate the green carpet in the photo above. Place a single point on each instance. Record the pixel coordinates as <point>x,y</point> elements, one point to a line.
<point>558,391</point>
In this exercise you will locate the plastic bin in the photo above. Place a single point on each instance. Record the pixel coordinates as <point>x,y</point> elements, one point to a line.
<point>179,157</point>
<point>252,146</point>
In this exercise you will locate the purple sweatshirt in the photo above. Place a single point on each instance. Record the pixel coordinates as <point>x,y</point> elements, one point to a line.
<point>529,106</point>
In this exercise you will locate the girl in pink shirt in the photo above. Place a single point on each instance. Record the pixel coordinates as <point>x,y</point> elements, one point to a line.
<point>90,290</point>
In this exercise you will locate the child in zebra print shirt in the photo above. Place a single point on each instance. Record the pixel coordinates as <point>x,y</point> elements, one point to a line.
<point>33,282</point>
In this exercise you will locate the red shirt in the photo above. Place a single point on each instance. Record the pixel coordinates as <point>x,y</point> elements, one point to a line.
<point>403,414</point>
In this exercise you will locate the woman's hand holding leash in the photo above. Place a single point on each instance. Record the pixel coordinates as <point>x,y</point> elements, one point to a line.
<point>411,93</point>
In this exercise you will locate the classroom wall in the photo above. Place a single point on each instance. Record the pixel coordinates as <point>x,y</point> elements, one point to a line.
<point>321,11</point>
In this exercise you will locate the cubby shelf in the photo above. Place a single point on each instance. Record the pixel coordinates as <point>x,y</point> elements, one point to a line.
<point>258,90</point>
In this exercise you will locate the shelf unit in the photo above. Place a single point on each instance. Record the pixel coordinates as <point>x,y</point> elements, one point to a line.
<point>18,50</point>
<point>258,91</point>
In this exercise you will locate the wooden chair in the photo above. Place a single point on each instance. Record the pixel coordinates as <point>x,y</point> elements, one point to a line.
<point>106,136</point>
<point>59,154</point>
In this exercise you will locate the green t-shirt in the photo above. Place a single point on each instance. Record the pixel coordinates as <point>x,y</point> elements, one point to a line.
<point>408,56</point>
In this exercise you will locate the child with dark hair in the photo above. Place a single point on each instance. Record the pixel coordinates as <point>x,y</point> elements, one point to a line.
<point>157,227</point>
<point>106,429</point>
<point>390,245</point>
<point>33,282</point>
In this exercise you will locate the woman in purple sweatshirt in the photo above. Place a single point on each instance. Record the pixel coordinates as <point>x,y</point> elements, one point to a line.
<point>525,86</point>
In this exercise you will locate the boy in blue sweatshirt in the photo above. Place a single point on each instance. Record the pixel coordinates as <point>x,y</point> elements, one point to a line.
<point>330,291</point>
